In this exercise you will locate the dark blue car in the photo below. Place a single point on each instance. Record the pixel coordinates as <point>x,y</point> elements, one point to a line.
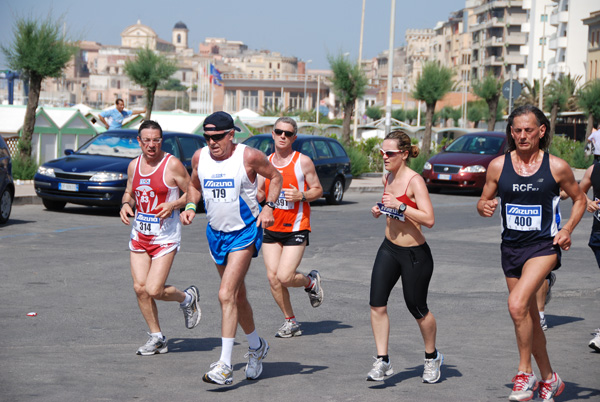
<point>331,161</point>
<point>7,187</point>
<point>96,174</point>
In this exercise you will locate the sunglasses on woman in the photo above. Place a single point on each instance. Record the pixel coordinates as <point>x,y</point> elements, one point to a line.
<point>391,153</point>
<point>279,131</point>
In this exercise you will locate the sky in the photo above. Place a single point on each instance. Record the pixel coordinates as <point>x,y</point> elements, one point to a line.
<point>306,29</point>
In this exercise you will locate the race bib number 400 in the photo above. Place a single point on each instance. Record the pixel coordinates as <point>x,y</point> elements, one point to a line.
<point>219,190</point>
<point>282,203</point>
<point>147,224</point>
<point>391,212</point>
<point>524,218</point>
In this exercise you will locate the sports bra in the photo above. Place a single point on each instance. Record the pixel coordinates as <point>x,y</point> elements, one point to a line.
<point>403,198</point>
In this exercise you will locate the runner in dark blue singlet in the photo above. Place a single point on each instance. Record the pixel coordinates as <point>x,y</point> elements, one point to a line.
<point>528,181</point>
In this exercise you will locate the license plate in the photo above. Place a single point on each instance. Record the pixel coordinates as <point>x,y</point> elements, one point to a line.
<point>444,176</point>
<point>68,186</point>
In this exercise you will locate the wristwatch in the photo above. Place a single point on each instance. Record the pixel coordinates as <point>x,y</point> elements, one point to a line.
<point>402,208</point>
<point>271,204</point>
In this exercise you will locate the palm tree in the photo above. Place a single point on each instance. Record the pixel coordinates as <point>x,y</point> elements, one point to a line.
<point>589,100</point>
<point>530,94</point>
<point>489,89</point>
<point>39,50</point>
<point>349,83</point>
<point>149,70</point>
<point>560,95</point>
<point>434,82</point>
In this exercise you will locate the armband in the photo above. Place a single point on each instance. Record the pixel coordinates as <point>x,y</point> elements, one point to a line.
<point>190,205</point>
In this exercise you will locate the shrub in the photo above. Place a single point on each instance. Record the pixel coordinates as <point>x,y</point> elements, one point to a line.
<point>23,169</point>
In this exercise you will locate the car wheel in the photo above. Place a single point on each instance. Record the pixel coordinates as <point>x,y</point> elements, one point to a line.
<point>53,205</point>
<point>337,193</point>
<point>6,201</point>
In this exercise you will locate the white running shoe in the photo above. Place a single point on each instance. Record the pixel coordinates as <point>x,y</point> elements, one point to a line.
<point>380,370</point>
<point>255,357</point>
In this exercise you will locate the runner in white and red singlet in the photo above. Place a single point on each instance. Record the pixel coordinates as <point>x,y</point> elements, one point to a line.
<point>154,181</point>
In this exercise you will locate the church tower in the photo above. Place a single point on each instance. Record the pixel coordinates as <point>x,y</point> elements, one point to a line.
<point>180,37</point>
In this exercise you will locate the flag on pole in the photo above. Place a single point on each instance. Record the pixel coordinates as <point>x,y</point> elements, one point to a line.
<point>215,75</point>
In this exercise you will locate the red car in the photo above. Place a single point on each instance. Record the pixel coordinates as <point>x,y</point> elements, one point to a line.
<point>463,164</point>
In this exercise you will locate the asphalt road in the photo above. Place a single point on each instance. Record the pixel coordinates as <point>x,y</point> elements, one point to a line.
<point>72,269</point>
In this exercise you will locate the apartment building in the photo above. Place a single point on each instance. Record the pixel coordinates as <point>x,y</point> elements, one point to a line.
<point>497,37</point>
<point>593,46</point>
<point>570,39</point>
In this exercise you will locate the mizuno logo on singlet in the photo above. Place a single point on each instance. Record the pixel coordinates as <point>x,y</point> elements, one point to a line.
<point>224,183</point>
<point>524,211</point>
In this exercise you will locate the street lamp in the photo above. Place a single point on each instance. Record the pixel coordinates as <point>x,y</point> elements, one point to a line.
<point>305,78</point>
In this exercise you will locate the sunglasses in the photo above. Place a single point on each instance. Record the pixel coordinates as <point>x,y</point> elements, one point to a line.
<point>279,131</point>
<point>216,137</point>
<point>389,154</point>
<point>147,141</point>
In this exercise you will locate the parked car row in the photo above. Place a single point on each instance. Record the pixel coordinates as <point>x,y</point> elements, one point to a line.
<point>96,174</point>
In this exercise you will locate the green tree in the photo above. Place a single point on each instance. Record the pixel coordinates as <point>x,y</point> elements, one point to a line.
<point>489,89</point>
<point>589,100</point>
<point>149,70</point>
<point>399,114</point>
<point>560,96</point>
<point>172,84</point>
<point>349,83</point>
<point>39,50</point>
<point>434,82</point>
<point>476,111</point>
<point>374,113</point>
<point>411,115</point>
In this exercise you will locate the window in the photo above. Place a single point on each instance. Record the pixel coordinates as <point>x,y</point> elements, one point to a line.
<point>250,100</point>
<point>189,145</point>
<point>322,149</point>
<point>338,150</point>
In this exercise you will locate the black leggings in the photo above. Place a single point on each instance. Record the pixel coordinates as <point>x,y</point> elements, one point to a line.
<point>413,264</point>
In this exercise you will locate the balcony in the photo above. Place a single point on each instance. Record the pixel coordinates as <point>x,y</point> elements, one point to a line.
<point>518,38</point>
<point>515,59</point>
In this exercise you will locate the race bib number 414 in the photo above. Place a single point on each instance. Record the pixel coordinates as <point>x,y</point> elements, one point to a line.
<point>523,218</point>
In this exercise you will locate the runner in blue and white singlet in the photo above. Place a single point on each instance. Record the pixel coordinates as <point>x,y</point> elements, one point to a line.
<point>229,196</point>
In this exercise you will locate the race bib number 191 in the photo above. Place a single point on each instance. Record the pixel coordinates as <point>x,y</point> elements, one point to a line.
<point>523,218</point>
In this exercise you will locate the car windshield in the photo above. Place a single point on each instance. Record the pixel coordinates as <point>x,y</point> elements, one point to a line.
<point>476,144</point>
<point>124,146</point>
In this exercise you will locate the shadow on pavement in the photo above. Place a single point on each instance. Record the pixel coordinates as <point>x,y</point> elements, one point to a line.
<point>322,327</point>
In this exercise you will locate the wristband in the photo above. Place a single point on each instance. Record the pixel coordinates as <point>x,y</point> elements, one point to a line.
<point>190,205</point>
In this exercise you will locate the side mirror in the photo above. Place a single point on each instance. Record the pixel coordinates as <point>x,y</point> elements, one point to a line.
<point>69,152</point>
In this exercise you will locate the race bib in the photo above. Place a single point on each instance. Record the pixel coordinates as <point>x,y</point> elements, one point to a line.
<point>282,203</point>
<point>219,190</point>
<point>391,212</point>
<point>147,224</point>
<point>524,218</point>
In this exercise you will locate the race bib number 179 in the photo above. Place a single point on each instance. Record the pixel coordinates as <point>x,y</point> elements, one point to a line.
<point>523,218</point>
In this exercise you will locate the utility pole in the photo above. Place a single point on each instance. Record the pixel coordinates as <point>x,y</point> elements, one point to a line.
<point>360,46</point>
<point>388,106</point>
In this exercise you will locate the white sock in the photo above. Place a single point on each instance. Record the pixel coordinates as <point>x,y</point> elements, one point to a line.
<point>226,350</point>
<point>253,340</point>
<point>158,335</point>
<point>541,315</point>
<point>187,301</point>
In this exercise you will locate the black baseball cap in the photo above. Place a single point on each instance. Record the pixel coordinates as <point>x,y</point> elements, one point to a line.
<point>222,121</point>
